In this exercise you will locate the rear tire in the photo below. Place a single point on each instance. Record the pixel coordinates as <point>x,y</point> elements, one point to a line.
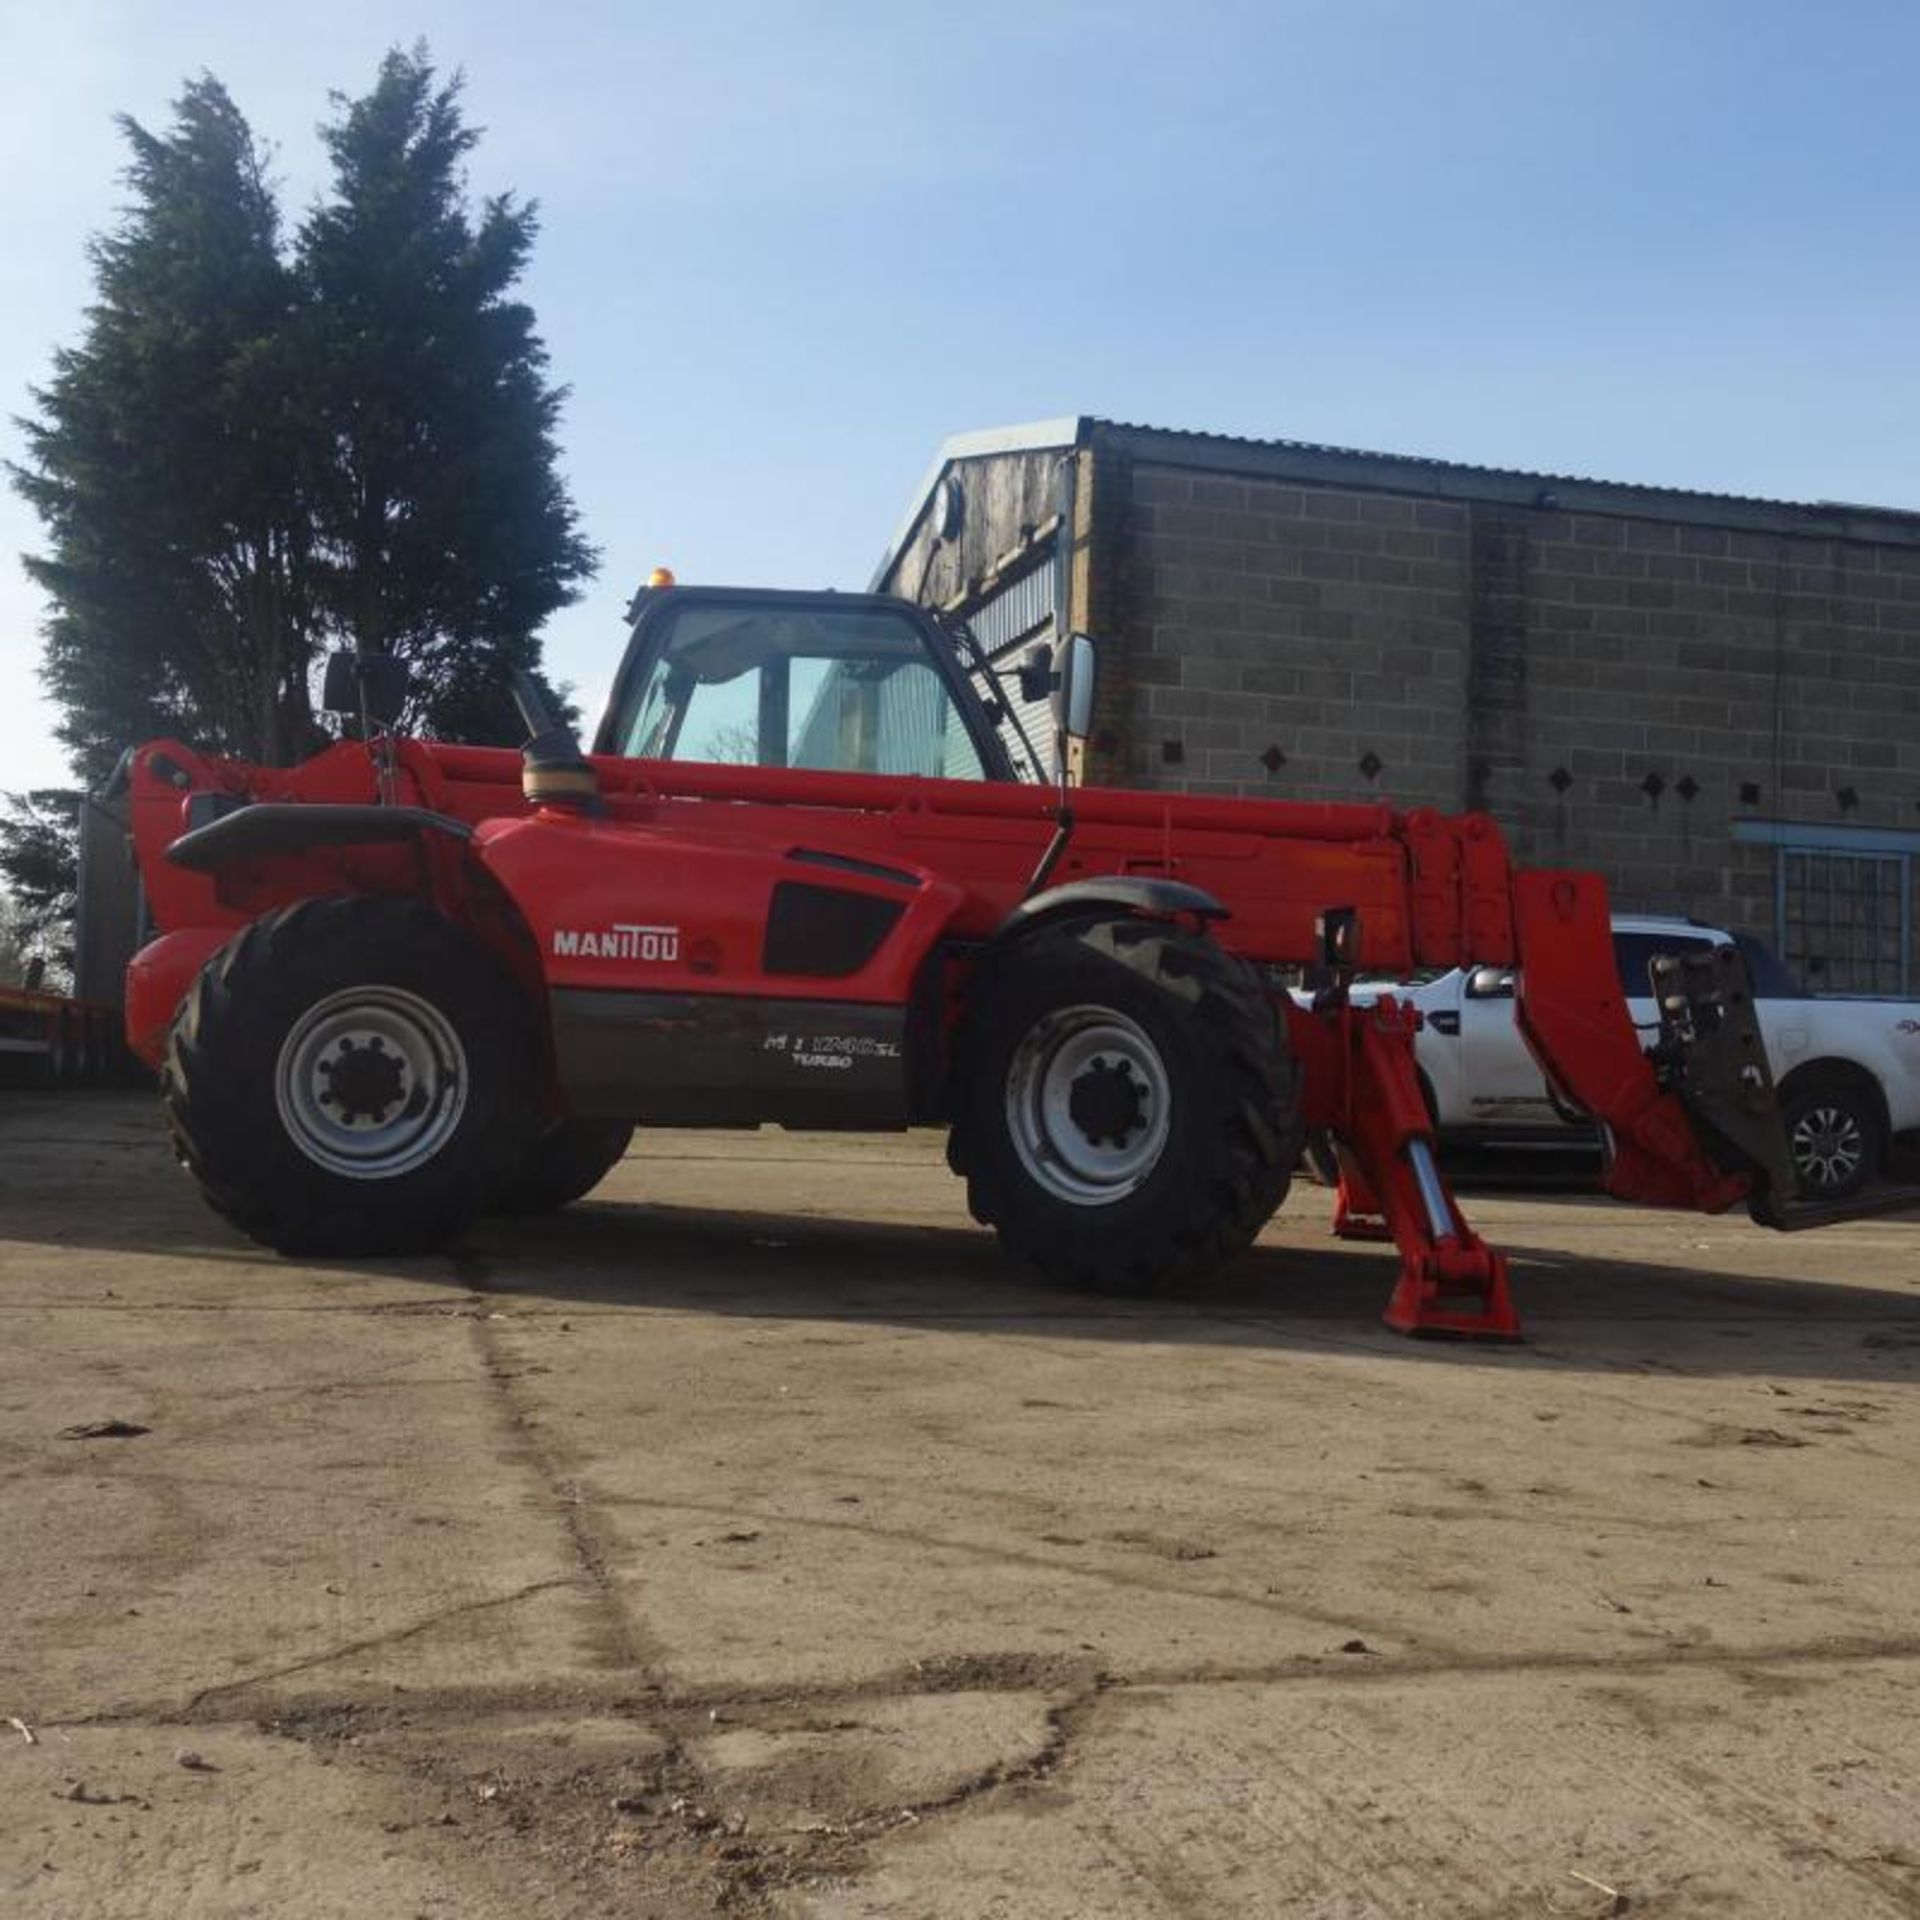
<point>566,1163</point>
<point>351,1076</point>
<point>1127,1112</point>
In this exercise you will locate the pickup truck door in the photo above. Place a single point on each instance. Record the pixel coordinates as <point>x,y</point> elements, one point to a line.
<point>1506,1085</point>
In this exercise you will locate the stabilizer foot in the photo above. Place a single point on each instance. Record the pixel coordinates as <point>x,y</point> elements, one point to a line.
<point>1453,1291</point>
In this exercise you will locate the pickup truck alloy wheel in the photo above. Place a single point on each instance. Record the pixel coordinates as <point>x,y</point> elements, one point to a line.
<point>1088,1104</point>
<point>1829,1147</point>
<point>371,1082</point>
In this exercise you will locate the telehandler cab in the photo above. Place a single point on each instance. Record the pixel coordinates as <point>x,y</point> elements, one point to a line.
<point>812,874</point>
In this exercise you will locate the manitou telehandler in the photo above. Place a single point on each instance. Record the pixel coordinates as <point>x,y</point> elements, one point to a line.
<point>808,876</point>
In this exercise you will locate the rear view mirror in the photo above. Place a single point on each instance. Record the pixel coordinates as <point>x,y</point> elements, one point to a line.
<point>1036,675</point>
<point>1073,675</point>
<point>1489,983</point>
<point>369,684</point>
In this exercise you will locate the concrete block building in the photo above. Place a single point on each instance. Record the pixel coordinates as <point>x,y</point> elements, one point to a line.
<point>1713,700</point>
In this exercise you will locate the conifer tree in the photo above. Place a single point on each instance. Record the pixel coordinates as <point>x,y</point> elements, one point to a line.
<point>258,451</point>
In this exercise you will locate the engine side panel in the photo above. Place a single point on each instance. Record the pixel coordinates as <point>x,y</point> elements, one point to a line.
<point>706,978</point>
<point>620,907</point>
<point>719,1060</point>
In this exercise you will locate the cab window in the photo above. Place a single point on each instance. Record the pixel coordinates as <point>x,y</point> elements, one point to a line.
<point>852,692</point>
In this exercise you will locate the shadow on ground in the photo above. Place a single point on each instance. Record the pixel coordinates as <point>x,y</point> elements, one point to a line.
<point>1580,1312</point>
<point>115,1190</point>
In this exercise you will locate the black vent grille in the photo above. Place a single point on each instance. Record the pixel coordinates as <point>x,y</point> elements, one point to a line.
<point>824,932</point>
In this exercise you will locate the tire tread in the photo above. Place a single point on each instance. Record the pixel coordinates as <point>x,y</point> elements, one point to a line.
<point>221,1025</point>
<point>1257,1131</point>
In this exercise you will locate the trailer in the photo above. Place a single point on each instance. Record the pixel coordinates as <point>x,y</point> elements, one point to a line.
<point>49,1040</point>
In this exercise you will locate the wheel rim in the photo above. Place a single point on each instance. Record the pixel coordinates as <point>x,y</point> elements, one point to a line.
<point>1089,1105</point>
<point>371,1082</point>
<point>1829,1148</point>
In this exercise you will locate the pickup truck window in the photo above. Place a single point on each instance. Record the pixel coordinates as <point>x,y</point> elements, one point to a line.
<point>1635,953</point>
<point>1771,980</point>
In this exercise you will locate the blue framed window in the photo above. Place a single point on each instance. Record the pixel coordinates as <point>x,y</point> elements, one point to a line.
<point>1843,919</point>
<point>1843,903</point>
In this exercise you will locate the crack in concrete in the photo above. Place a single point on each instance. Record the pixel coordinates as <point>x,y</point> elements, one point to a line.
<point>591,1552</point>
<point>1065,1722</point>
<point>693,1837</point>
<point>740,1866</point>
<point>1066,1674</point>
<point>1345,1623</point>
<point>394,1636</point>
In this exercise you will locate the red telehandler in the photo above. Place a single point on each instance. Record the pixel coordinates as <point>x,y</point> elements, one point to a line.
<point>811,874</point>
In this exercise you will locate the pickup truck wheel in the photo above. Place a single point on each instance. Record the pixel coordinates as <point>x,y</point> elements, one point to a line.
<point>1127,1113</point>
<point>1834,1136</point>
<point>350,1076</point>
<point>566,1163</point>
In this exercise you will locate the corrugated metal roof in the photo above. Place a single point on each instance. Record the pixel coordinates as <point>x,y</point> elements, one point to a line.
<point>1428,463</point>
<point>1316,461</point>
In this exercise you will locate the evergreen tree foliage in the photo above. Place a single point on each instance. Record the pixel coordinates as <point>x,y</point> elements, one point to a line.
<point>259,450</point>
<point>444,532</point>
<point>13,950</point>
<point>165,464</point>
<point>40,861</point>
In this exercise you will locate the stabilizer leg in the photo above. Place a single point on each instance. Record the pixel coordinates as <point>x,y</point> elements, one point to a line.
<point>1356,1213</point>
<point>1451,1282</point>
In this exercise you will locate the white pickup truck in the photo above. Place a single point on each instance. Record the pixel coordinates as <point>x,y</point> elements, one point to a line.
<point>1848,1071</point>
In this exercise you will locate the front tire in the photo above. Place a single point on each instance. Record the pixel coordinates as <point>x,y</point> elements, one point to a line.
<point>566,1163</point>
<point>1127,1113</point>
<point>351,1076</point>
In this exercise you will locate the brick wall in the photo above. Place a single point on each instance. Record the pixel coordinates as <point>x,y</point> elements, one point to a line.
<point>1310,626</point>
<point>1618,690</point>
<point>1689,676</point>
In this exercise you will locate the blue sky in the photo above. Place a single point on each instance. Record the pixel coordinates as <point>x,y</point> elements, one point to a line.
<point>789,248</point>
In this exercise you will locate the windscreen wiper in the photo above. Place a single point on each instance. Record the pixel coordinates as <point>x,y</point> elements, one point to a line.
<point>1032,768</point>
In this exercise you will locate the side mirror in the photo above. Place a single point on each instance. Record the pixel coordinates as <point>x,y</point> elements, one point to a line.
<point>1035,674</point>
<point>1073,677</point>
<point>1489,983</point>
<point>371,683</point>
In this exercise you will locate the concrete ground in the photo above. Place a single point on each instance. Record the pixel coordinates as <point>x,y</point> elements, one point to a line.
<point>751,1541</point>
